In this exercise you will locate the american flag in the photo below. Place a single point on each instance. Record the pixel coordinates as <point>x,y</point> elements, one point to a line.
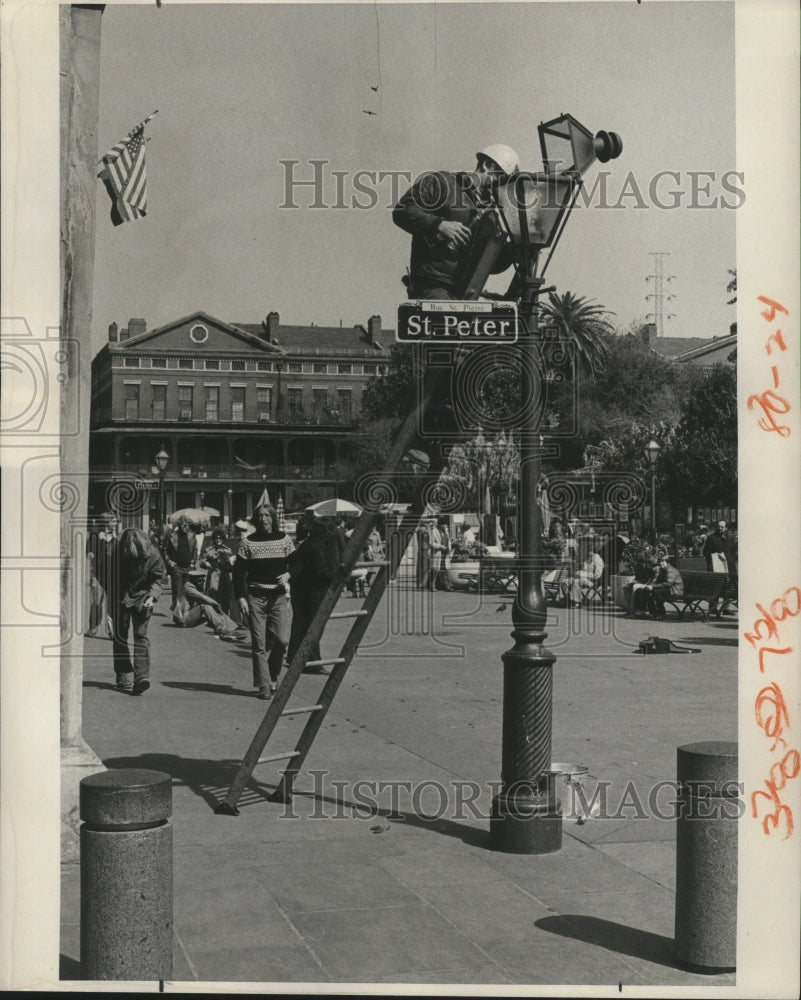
<point>124,175</point>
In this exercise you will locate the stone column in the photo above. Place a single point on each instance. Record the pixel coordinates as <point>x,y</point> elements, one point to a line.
<point>79,31</point>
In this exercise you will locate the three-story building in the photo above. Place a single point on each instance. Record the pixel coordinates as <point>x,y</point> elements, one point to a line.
<point>236,407</point>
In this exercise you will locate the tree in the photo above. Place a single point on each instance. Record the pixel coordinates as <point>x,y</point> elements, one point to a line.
<point>581,322</point>
<point>394,394</point>
<point>731,288</point>
<point>702,459</point>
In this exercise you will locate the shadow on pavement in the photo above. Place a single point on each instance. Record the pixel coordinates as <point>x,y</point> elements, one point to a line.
<point>211,688</point>
<point>612,936</point>
<point>707,640</point>
<point>210,779</point>
<point>470,835</point>
<point>69,968</point>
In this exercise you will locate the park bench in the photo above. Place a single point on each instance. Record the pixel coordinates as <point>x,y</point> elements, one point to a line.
<point>704,592</point>
<point>498,575</point>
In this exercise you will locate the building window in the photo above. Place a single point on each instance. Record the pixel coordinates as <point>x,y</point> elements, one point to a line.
<point>295,399</point>
<point>131,402</point>
<point>159,402</point>
<point>345,402</point>
<point>344,369</point>
<point>238,404</point>
<point>264,366</point>
<point>131,363</point>
<point>295,366</point>
<point>185,402</point>
<point>319,401</point>
<point>212,403</point>
<point>319,368</point>
<point>199,333</point>
<point>185,363</point>
<point>237,366</point>
<point>370,368</point>
<point>212,364</point>
<point>158,362</point>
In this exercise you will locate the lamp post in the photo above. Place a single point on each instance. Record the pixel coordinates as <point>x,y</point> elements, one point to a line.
<point>230,506</point>
<point>534,209</point>
<point>652,450</point>
<point>162,461</point>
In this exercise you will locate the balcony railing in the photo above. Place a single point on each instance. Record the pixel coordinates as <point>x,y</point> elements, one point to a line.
<point>175,473</point>
<point>282,415</point>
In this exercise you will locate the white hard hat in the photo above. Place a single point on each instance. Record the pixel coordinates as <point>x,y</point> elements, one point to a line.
<point>506,158</point>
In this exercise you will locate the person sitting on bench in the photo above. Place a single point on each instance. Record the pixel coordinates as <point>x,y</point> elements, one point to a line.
<point>585,579</point>
<point>667,583</point>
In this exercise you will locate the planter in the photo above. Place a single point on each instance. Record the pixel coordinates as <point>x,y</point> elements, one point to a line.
<point>620,596</point>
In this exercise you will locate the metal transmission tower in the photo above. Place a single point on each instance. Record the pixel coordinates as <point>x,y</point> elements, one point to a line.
<point>659,296</point>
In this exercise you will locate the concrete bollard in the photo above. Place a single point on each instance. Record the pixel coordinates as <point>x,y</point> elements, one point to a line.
<point>706,856</point>
<point>126,875</point>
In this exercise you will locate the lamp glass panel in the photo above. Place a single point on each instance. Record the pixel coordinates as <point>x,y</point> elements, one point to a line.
<point>543,198</point>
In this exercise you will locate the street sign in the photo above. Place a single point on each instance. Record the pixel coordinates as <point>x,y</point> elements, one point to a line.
<point>447,321</point>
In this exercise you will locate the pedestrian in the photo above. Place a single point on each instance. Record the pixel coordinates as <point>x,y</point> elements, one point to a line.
<point>719,551</point>
<point>217,559</point>
<point>181,556</point>
<point>667,582</point>
<point>140,578</point>
<point>261,583</point>
<point>312,566</point>
<point>443,578</point>
<point>436,550</point>
<point>441,212</point>
<point>699,540</point>
<point>423,565</point>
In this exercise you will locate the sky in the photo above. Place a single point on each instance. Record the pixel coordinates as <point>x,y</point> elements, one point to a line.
<point>239,88</point>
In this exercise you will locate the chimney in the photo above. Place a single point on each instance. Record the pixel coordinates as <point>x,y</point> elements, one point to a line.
<point>136,326</point>
<point>374,328</point>
<point>124,333</point>
<point>733,329</point>
<point>648,332</point>
<point>271,324</point>
<point>113,332</point>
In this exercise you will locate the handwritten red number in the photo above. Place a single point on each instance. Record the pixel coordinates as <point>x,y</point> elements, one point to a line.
<point>773,308</point>
<point>770,403</point>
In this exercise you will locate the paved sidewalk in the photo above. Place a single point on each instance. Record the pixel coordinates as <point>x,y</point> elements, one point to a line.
<point>321,893</point>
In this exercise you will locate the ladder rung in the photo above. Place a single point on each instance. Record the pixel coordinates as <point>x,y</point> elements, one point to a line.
<point>325,663</point>
<point>349,614</point>
<point>286,755</point>
<point>301,709</point>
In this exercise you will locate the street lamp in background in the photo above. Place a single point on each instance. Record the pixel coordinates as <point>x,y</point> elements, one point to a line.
<point>162,461</point>
<point>230,506</point>
<point>652,450</point>
<point>534,208</point>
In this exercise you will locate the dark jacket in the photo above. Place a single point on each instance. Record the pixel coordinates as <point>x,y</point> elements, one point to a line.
<point>171,550</point>
<point>432,199</point>
<point>314,562</point>
<point>723,545</point>
<point>141,579</point>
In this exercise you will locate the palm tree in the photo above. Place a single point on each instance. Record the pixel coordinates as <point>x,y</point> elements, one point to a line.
<point>584,323</point>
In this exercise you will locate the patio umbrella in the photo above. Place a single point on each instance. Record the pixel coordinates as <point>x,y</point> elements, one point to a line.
<point>328,508</point>
<point>264,498</point>
<point>199,517</point>
<point>279,513</point>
